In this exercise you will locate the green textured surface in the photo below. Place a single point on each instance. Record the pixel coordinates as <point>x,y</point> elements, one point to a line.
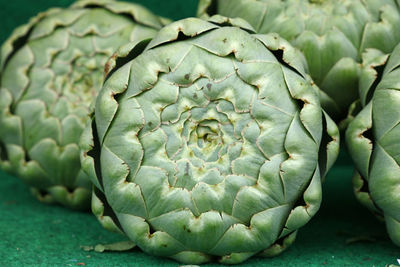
<point>33,234</point>
<point>16,12</point>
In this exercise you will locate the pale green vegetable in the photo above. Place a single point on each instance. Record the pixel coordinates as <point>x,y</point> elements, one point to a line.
<point>51,70</point>
<point>373,139</point>
<point>208,143</point>
<point>332,34</point>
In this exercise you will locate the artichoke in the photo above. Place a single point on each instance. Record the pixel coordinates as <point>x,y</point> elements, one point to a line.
<point>373,139</point>
<point>51,70</point>
<point>332,35</point>
<point>208,143</point>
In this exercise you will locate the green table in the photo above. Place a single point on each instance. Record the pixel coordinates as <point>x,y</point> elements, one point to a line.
<point>32,234</point>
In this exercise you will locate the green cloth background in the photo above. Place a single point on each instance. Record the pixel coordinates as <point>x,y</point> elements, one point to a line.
<point>343,233</point>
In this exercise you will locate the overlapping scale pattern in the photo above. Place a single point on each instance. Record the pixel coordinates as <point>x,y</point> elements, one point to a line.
<point>332,35</point>
<point>214,136</point>
<point>51,70</point>
<point>373,139</point>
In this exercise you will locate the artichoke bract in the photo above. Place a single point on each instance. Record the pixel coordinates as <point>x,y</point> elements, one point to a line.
<point>208,143</point>
<point>373,139</point>
<point>332,35</point>
<point>51,70</point>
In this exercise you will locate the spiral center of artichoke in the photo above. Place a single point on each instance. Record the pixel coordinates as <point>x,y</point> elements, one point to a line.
<point>207,134</point>
<point>80,82</point>
<point>204,131</point>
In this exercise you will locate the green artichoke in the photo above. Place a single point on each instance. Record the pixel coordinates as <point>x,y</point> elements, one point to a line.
<point>332,34</point>
<point>51,70</point>
<point>208,143</point>
<point>373,139</point>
